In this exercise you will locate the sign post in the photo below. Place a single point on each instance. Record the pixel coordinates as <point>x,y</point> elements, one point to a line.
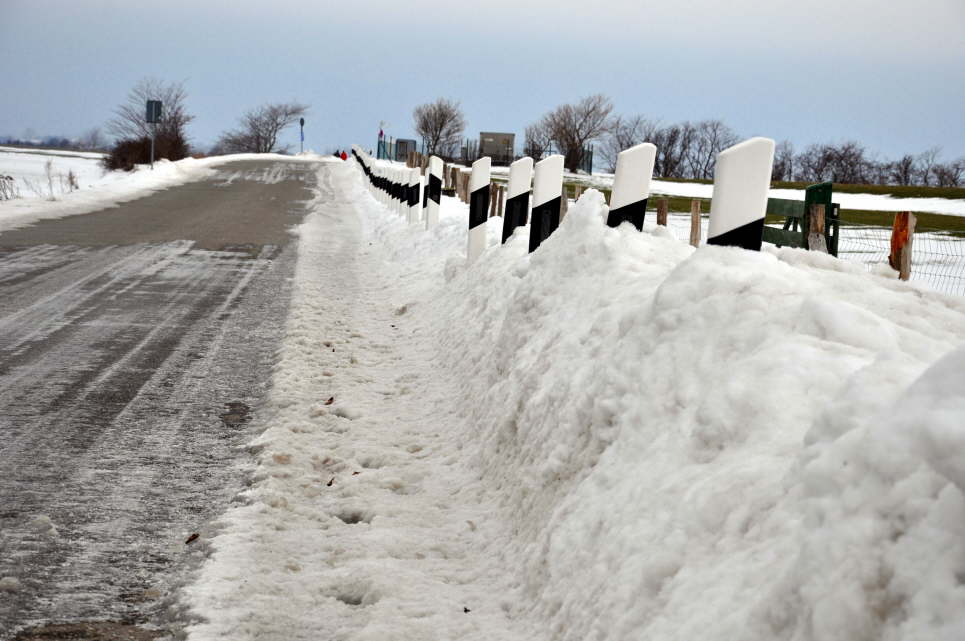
<point>302,122</point>
<point>153,118</point>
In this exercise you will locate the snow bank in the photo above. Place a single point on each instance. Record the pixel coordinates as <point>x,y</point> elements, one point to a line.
<point>650,442</point>
<point>710,444</point>
<point>98,189</point>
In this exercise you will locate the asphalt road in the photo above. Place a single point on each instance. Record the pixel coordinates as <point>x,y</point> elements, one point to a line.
<point>135,346</point>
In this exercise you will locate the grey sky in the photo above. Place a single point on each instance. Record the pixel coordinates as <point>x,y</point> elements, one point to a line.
<point>888,74</point>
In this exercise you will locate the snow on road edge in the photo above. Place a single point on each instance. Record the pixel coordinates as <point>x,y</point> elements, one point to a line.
<point>118,187</point>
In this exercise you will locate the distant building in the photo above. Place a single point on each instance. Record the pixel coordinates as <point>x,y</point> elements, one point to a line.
<point>498,146</point>
<point>402,148</point>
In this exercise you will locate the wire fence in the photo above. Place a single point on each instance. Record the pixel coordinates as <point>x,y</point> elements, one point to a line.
<point>938,255</point>
<point>937,258</point>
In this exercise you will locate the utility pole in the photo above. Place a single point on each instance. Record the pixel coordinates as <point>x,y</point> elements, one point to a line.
<point>302,122</point>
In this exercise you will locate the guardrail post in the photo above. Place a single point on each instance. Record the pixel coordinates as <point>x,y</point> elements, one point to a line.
<point>741,180</point>
<point>517,199</point>
<point>547,194</point>
<point>631,185</point>
<point>433,192</point>
<point>478,207</point>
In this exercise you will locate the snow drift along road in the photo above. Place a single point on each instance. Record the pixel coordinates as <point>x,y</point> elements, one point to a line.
<point>616,437</point>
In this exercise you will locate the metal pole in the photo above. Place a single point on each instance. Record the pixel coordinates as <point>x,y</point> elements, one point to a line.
<point>153,136</point>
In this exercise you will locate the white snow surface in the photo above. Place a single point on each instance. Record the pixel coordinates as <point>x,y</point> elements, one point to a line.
<point>616,437</point>
<point>98,189</point>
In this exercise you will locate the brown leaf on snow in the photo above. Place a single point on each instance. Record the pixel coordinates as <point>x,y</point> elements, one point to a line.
<point>192,538</point>
<point>331,399</point>
<point>355,473</point>
<point>330,482</point>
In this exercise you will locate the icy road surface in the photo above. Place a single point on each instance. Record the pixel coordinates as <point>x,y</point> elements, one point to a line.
<point>123,335</point>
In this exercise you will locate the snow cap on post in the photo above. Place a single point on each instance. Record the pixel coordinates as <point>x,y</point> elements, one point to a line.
<point>547,197</point>
<point>415,208</point>
<point>517,196</point>
<point>433,191</point>
<point>478,207</point>
<point>741,180</point>
<point>631,185</point>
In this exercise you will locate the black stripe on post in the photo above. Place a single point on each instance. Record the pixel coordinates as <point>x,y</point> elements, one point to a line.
<point>546,218</point>
<point>478,206</point>
<point>634,212</point>
<point>413,194</point>
<point>435,188</point>
<point>747,236</point>
<point>515,215</point>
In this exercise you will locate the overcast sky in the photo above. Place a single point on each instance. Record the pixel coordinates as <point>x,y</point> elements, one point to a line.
<point>888,74</point>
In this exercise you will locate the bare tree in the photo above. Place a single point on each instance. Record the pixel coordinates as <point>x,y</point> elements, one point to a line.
<point>949,174</point>
<point>441,124</point>
<point>130,117</point>
<point>625,133</point>
<point>92,139</point>
<point>708,139</point>
<point>537,141</point>
<point>673,145</point>
<point>926,164</point>
<point>572,127</point>
<point>259,128</point>
<point>783,161</point>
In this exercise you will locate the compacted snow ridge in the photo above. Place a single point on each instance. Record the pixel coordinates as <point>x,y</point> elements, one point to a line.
<point>615,437</point>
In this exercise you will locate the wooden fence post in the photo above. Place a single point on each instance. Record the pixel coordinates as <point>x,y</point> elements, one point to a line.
<point>662,206</point>
<point>577,192</point>
<point>695,222</point>
<point>902,235</point>
<point>502,195</point>
<point>816,240</point>
<point>492,199</point>
<point>564,202</point>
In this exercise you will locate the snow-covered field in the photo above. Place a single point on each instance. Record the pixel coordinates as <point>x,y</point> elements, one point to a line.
<point>616,437</point>
<point>97,189</point>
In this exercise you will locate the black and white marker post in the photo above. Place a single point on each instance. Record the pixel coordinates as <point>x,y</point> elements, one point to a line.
<point>741,180</point>
<point>631,185</point>
<point>415,204</point>
<point>478,207</point>
<point>547,198</point>
<point>433,192</point>
<point>517,196</point>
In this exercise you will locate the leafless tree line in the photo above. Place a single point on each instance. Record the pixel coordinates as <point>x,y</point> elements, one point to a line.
<point>850,162</point>
<point>689,149</point>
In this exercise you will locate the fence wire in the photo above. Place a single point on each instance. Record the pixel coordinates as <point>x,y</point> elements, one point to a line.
<point>937,259</point>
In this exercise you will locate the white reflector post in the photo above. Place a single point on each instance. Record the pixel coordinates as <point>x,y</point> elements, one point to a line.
<point>547,193</point>
<point>741,180</point>
<point>478,207</point>
<point>434,195</point>
<point>517,196</point>
<point>631,185</point>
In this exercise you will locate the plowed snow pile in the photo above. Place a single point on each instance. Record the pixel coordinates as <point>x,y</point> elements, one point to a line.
<point>616,437</point>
